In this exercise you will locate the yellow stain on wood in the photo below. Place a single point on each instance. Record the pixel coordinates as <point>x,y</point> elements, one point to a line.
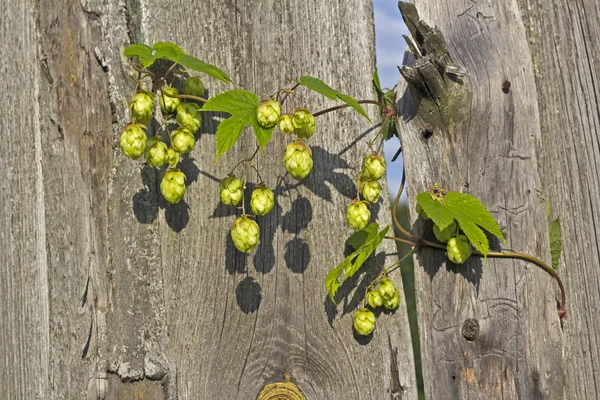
<point>468,374</point>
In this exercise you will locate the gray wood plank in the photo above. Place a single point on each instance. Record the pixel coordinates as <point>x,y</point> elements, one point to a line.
<point>484,143</point>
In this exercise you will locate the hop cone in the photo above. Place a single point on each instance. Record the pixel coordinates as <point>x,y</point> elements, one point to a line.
<point>262,201</point>
<point>172,158</point>
<point>459,249</point>
<point>188,116</point>
<point>133,141</point>
<point>393,302</point>
<point>169,104</point>
<point>268,113</point>
<point>194,87</point>
<point>231,190</point>
<point>183,140</point>
<point>157,154</point>
<point>172,186</point>
<point>374,298</point>
<point>298,160</point>
<point>358,215</point>
<point>387,288</point>
<point>304,123</point>
<point>245,234</point>
<point>285,124</point>
<point>371,191</point>
<point>364,322</point>
<point>373,167</point>
<point>141,107</point>
<point>445,235</point>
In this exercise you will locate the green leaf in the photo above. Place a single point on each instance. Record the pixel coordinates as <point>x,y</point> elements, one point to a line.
<point>242,106</point>
<point>468,211</point>
<point>324,89</point>
<point>389,98</point>
<point>358,238</point>
<point>354,261</point>
<point>377,84</point>
<point>142,52</point>
<point>555,241</point>
<point>197,65</point>
<point>388,128</point>
<point>167,50</point>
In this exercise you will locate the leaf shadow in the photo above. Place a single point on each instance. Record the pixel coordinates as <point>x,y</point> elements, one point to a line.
<point>248,295</point>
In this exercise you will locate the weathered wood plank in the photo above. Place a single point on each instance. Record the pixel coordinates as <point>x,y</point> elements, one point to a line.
<point>565,48</point>
<point>484,142</point>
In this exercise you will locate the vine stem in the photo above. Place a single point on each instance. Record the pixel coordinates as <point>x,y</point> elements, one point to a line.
<point>186,96</point>
<point>245,160</point>
<point>395,207</point>
<point>328,110</point>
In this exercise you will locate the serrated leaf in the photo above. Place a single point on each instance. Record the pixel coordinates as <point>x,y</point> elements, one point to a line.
<point>471,215</point>
<point>167,50</point>
<point>388,128</point>
<point>324,89</point>
<point>142,52</point>
<point>242,106</point>
<point>358,238</point>
<point>377,84</point>
<point>555,242</point>
<point>354,261</point>
<point>200,66</point>
<point>389,98</point>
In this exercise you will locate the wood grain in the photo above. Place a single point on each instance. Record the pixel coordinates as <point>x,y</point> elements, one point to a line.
<point>484,143</point>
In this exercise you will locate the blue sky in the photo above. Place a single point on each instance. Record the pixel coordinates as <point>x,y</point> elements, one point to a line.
<point>390,46</point>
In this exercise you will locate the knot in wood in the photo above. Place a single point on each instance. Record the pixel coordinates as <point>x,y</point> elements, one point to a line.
<point>284,390</point>
<point>470,329</point>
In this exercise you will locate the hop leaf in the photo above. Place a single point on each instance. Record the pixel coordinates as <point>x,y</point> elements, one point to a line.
<point>444,235</point>
<point>172,186</point>
<point>358,215</point>
<point>364,322</point>
<point>133,141</point>
<point>262,200</point>
<point>231,190</point>
<point>245,234</point>
<point>298,160</point>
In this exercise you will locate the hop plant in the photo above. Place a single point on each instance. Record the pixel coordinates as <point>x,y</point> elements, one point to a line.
<point>262,200</point>
<point>157,154</point>
<point>358,215</point>
<point>169,104</point>
<point>194,86</point>
<point>421,212</point>
<point>371,191</point>
<point>268,113</point>
<point>373,167</point>
<point>446,234</point>
<point>298,159</point>
<point>285,124</point>
<point>374,298</point>
<point>133,141</point>
<point>245,234</point>
<point>364,321</point>
<point>387,288</point>
<point>304,123</point>
<point>172,158</point>
<point>141,107</point>
<point>183,140</point>
<point>231,190</point>
<point>172,186</point>
<point>393,302</point>
<point>188,116</point>
<point>459,249</point>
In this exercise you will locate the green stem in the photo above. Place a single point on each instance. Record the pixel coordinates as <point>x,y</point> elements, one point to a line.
<point>186,96</point>
<point>328,110</point>
<point>395,207</point>
<point>245,160</point>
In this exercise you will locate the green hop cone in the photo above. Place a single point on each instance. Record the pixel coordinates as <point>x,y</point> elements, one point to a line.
<point>172,158</point>
<point>262,200</point>
<point>285,124</point>
<point>298,159</point>
<point>141,107</point>
<point>194,87</point>
<point>169,104</point>
<point>445,235</point>
<point>157,154</point>
<point>245,234</point>
<point>358,215</point>
<point>387,289</point>
<point>183,140</point>
<point>188,116</point>
<point>374,298</point>
<point>371,191</point>
<point>231,190</point>
<point>459,249</point>
<point>133,141</point>
<point>304,123</point>
<point>364,322</point>
<point>393,302</point>
<point>268,113</point>
<point>172,186</point>
<point>373,167</point>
